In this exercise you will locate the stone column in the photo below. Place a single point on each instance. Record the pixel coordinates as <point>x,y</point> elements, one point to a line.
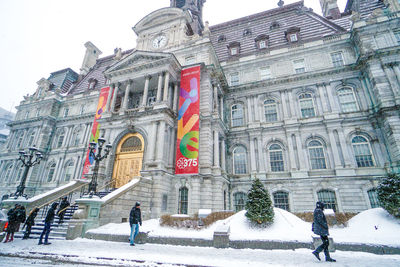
<point>391,76</point>
<point>346,153</point>
<point>110,94</point>
<point>302,154</point>
<point>292,166</point>
<point>249,109</point>
<point>175,101</point>
<point>127,90</point>
<point>322,97</point>
<point>166,86</point>
<point>152,141</point>
<point>336,158</point>
<point>146,90</point>
<point>215,102</point>
<point>332,101</point>
<point>221,105</point>
<point>216,148</point>
<point>252,155</point>
<point>284,105</point>
<point>160,141</point>
<point>261,155</point>
<point>292,104</point>
<point>114,97</point>
<point>256,109</point>
<point>159,87</point>
<point>223,151</point>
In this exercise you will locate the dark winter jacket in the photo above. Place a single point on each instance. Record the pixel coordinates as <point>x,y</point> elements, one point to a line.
<point>51,213</point>
<point>12,215</point>
<point>31,218</point>
<point>21,215</point>
<point>135,216</point>
<point>320,226</point>
<point>63,205</point>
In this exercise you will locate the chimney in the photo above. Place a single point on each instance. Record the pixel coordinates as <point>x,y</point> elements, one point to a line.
<point>330,9</point>
<point>91,55</point>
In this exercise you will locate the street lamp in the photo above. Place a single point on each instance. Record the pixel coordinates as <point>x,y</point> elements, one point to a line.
<point>97,158</point>
<point>28,159</point>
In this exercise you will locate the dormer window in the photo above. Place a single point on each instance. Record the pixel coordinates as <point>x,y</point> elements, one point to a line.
<point>274,25</point>
<point>262,41</point>
<point>247,32</point>
<point>221,38</point>
<point>234,49</point>
<point>293,34</point>
<point>92,83</point>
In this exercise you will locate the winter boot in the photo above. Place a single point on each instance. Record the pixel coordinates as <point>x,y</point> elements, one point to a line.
<point>7,237</point>
<point>316,254</point>
<point>12,237</point>
<point>328,257</point>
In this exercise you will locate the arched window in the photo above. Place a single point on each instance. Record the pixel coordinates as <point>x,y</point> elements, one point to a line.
<point>50,173</point>
<point>276,158</point>
<point>328,198</point>
<point>306,105</point>
<point>281,200</point>
<point>69,171</point>
<point>20,139</point>
<point>362,151</point>
<point>31,139</point>
<point>373,198</point>
<point>239,199</point>
<point>270,110</point>
<point>317,155</point>
<point>347,100</point>
<point>132,144</point>
<point>239,160</point>
<point>60,140</point>
<point>237,115</point>
<point>183,200</point>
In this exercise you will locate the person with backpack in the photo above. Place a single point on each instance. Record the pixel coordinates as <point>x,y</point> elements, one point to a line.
<point>30,222</point>
<point>47,224</point>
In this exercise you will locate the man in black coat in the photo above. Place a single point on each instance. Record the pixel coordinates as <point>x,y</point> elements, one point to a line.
<point>62,209</point>
<point>320,227</point>
<point>30,222</point>
<point>12,215</point>
<point>47,224</point>
<point>135,218</point>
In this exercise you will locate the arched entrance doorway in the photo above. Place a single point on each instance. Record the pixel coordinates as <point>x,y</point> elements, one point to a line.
<point>128,159</point>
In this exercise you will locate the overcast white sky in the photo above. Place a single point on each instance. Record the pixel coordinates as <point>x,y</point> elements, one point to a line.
<point>38,37</point>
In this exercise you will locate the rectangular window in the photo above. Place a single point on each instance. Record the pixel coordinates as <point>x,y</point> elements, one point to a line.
<point>317,158</point>
<point>281,200</point>
<point>190,60</point>
<point>373,198</point>
<point>293,37</point>
<point>66,111</point>
<point>164,204</point>
<point>262,44</point>
<point>276,159</point>
<point>307,108</point>
<point>337,59</point>
<point>234,78</point>
<point>265,73</point>
<point>234,51</point>
<point>299,66</point>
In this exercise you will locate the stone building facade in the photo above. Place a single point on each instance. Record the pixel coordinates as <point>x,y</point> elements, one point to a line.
<point>307,103</point>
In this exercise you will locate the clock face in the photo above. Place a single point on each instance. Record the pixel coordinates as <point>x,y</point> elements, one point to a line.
<point>159,41</point>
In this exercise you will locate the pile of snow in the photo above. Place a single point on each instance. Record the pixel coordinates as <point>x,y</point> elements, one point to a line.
<point>374,226</point>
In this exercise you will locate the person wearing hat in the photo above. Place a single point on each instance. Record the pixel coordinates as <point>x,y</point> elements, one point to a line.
<point>320,227</point>
<point>135,218</point>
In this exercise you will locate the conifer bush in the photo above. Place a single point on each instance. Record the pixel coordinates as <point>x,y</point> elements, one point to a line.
<point>389,194</point>
<point>259,205</point>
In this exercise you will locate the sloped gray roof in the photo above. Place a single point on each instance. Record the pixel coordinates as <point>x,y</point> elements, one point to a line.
<point>364,7</point>
<point>312,26</point>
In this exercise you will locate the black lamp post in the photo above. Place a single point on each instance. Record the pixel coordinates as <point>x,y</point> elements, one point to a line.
<point>97,158</point>
<point>28,159</point>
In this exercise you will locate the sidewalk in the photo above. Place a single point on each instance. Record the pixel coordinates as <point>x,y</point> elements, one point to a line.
<point>84,251</point>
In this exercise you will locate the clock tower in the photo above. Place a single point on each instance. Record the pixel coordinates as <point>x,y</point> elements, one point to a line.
<point>195,7</point>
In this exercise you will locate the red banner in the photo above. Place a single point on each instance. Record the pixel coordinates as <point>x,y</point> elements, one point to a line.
<point>187,147</point>
<point>94,134</point>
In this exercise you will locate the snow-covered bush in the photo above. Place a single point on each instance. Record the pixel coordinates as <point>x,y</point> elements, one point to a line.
<point>259,205</point>
<point>389,194</point>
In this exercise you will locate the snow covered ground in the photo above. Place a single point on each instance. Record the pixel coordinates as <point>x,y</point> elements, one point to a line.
<point>373,226</point>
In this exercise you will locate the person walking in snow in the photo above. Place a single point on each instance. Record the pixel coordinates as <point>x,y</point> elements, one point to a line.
<point>135,218</point>
<point>47,224</point>
<point>62,209</point>
<point>320,227</point>
<point>30,222</point>
<point>12,223</point>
